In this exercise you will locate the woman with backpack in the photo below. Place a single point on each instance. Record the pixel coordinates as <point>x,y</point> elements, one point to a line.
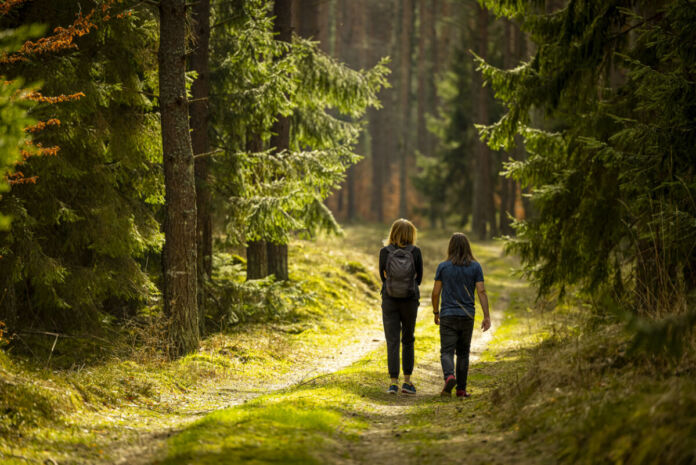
<point>401,270</point>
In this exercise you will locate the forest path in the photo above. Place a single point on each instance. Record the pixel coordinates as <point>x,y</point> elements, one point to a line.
<point>381,443</point>
<point>347,417</point>
<point>148,445</point>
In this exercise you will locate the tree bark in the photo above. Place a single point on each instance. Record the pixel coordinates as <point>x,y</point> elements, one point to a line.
<point>425,78</point>
<point>198,111</point>
<point>280,140</point>
<point>180,254</point>
<point>257,260</point>
<point>353,25</point>
<point>381,127</point>
<point>507,186</point>
<point>306,14</point>
<point>406,40</point>
<point>278,261</point>
<point>256,251</point>
<point>483,192</point>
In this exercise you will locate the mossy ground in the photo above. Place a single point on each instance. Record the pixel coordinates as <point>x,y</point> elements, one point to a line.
<point>116,408</point>
<point>349,418</point>
<point>550,386</point>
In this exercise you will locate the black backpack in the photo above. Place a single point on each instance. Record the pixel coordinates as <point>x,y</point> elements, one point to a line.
<point>401,272</point>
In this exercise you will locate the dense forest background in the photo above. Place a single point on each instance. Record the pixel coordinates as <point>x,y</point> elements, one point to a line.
<point>421,152</point>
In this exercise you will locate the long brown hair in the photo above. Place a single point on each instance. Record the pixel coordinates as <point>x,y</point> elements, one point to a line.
<point>402,233</point>
<point>459,250</point>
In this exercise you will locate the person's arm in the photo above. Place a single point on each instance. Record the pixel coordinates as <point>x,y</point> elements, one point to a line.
<point>383,264</point>
<point>437,289</point>
<point>418,262</point>
<point>483,298</point>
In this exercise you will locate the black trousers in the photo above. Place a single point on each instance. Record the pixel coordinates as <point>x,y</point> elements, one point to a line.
<point>399,318</point>
<point>455,336</point>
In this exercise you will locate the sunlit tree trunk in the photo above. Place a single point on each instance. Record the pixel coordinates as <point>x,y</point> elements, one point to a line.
<point>179,254</point>
<point>198,111</point>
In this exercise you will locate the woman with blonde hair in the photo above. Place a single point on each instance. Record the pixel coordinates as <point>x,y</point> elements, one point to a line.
<point>401,270</point>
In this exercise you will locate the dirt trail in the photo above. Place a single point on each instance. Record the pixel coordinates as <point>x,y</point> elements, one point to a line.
<point>144,447</point>
<point>377,444</point>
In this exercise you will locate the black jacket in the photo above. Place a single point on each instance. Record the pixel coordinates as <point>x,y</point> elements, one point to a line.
<point>417,261</point>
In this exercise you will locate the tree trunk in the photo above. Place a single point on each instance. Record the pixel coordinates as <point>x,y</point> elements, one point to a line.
<point>483,192</point>
<point>257,260</point>
<point>351,33</point>
<point>280,140</point>
<point>306,14</point>
<point>425,77</point>
<point>381,127</point>
<point>278,261</point>
<point>507,186</point>
<point>179,255</point>
<point>406,40</point>
<point>256,251</point>
<point>198,111</point>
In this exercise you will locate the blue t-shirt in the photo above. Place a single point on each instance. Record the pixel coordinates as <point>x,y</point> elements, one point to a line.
<point>458,287</point>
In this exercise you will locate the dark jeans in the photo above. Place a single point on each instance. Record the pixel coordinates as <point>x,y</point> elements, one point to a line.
<point>455,335</point>
<point>399,318</point>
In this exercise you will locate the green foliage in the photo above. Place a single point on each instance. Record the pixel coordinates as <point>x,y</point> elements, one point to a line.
<point>262,194</point>
<point>592,399</point>
<point>318,282</point>
<point>612,171</point>
<point>14,112</point>
<point>81,235</point>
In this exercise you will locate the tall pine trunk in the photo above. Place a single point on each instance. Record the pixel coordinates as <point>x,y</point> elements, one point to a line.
<point>280,140</point>
<point>406,40</point>
<point>198,111</point>
<point>179,254</point>
<point>382,127</point>
<point>425,77</point>
<point>482,209</point>
<point>508,189</point>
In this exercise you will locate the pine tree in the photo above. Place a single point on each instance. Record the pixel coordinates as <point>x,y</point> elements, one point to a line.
<point>612,166</point>
<point>179,258</point>
<point>83,206</point>
<point>266,195</point>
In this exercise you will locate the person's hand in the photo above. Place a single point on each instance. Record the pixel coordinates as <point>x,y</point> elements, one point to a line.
<point>437,318</point>
<point>486,325</point>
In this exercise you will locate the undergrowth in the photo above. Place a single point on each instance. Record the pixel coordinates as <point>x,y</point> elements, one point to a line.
<point>594,396</point>
<point>52,395</point>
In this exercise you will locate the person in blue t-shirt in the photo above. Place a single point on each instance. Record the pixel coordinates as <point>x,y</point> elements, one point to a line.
<point>455,281</point>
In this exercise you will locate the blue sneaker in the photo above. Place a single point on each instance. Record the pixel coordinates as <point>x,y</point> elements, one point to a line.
<point>408,389</point>
<point>393,389</point>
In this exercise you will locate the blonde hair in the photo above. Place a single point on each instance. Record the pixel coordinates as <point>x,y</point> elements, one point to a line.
<point>402,233</point>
